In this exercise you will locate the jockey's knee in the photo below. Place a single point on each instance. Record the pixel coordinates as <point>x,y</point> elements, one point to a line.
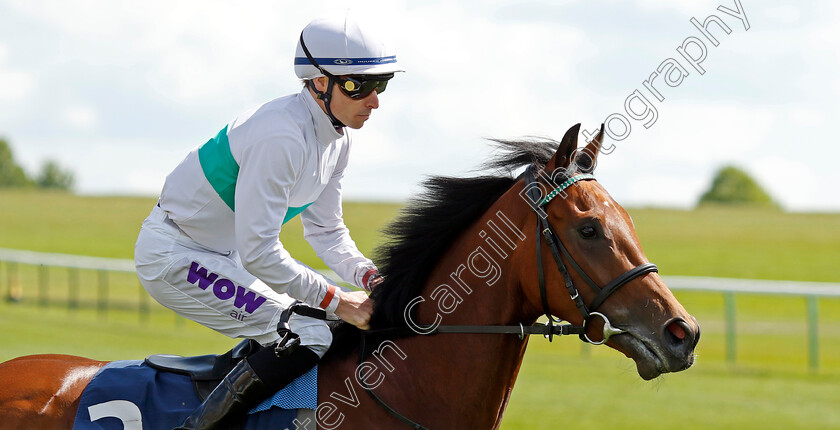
<point>314,334</point>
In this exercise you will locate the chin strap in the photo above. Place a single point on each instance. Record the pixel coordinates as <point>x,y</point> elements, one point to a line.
<point>326,96</point>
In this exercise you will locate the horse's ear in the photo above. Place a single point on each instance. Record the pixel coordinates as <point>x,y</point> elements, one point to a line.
<point>585,159</point>
<point>567,147</point>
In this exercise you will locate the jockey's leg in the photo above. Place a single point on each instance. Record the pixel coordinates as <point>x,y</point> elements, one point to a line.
<point>259,376</point>
<point>248,384</point>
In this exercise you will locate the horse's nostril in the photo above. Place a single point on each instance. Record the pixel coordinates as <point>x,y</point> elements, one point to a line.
<point>676,330</point>
<point>679,336</point>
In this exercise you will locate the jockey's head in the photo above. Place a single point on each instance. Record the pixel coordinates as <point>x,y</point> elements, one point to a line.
<point>335,51</point>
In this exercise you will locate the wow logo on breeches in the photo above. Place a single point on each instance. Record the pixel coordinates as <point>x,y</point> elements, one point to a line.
<point>225,289</point>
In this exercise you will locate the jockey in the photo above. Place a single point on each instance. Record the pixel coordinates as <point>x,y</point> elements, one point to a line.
<point>210,249</point>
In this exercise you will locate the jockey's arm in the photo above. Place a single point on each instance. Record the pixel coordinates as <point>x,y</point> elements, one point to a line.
<point>267,174</point>
<point>324,229</point>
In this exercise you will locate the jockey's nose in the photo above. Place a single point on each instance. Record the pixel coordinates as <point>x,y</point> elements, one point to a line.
<point>372,100</point>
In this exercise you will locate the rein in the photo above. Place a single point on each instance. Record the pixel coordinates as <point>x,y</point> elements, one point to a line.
<point>553,326</point>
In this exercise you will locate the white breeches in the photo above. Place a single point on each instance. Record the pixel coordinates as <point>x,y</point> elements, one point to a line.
<point>213,289</point>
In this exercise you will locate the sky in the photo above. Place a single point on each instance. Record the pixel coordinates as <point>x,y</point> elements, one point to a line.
<point>120,91</point>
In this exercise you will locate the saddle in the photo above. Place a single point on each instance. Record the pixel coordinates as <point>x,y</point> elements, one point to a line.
<point>205,371</point>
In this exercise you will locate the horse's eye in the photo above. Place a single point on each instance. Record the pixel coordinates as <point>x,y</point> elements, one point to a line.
<point>588,232</point>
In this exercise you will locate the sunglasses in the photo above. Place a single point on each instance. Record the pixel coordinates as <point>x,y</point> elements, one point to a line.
<point>360,86</point>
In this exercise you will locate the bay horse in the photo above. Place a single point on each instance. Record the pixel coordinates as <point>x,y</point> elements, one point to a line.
<point>471,265</point>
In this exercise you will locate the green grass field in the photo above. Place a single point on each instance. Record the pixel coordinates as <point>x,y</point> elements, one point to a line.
<point>563,384</point>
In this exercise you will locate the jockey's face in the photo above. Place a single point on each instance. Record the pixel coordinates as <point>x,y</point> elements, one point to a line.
<point>352,112</point>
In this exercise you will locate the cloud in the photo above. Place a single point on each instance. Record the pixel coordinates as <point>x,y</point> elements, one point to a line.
<point>785,14</point>
<point>509,81</point>
<point>684,8</point>
<point>700,133</point>
<point>15,85</point>
<point>137,170</point>
<point>188,51</point>
<point>80,117</point>
<point>681,191</point>
<point>792,183</point>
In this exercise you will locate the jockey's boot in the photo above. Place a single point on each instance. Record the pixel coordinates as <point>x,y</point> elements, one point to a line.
<point>250,382</point>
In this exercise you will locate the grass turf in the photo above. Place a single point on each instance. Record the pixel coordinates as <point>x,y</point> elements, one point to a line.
<point>560,385</point>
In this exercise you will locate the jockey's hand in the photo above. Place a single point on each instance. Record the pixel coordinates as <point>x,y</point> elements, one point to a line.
<point>355,308</point>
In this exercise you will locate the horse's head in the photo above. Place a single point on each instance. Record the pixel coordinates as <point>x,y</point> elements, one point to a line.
<point>593,249</point>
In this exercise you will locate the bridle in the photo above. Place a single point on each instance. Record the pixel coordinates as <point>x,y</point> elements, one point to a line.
<point>558,251</point>
<point>552,326</point>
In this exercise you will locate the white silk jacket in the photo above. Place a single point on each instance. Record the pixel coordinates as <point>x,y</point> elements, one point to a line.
<point>235,192</point>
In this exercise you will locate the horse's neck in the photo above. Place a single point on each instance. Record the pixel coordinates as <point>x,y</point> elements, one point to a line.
<point>478,370</point>
<point>457,380</point>
<point>476,282</point>
<point>440,382</point>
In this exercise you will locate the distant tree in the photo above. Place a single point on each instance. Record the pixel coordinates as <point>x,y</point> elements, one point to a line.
<point>54,176</point>
<point>733,186</point>
<point>11,175</point>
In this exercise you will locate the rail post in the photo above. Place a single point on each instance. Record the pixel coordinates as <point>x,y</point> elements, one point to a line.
<point>813,333</point>
<point>72,288</point>
<point>729,305</point>
<point>15,292</point>
<point>43,285</point>
<point>102,294</point>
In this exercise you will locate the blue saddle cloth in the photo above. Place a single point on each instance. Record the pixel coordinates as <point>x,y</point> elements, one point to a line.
<point>129,395</point>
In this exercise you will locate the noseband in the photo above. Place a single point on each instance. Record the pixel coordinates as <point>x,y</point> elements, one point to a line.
<point>559,251</point>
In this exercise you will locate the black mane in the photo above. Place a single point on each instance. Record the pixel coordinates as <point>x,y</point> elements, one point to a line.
<point>427,227</point>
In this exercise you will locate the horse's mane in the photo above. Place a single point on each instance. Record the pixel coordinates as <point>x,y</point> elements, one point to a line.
<point>429,224</point>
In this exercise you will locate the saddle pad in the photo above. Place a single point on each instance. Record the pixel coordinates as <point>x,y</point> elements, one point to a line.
<point>130,395</point>
<point>302,393</point>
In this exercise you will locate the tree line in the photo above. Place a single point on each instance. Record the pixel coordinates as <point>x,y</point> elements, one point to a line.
<point>730,185</point>
<point>51,175</point>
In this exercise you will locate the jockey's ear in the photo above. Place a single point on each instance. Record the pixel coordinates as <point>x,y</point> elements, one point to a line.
<point>567,147</point>
<point>585,158</point>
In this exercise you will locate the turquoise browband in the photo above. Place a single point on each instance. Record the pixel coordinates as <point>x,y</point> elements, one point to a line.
<point>555,192</point>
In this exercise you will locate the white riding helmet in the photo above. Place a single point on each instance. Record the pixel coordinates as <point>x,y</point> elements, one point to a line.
<point>339,45</point>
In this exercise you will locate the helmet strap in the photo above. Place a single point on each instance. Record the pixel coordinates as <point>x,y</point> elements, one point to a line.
<point>326,96</point>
